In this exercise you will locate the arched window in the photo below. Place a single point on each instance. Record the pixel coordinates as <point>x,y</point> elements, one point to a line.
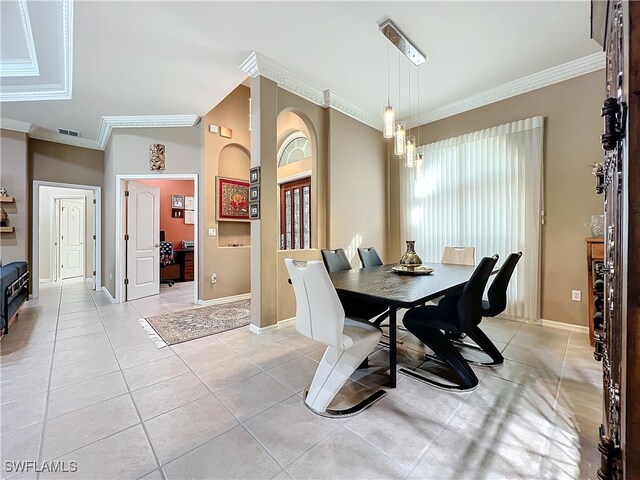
<point>296,147</point>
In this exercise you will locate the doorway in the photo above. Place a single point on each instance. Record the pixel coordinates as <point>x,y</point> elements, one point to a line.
<point>156,235</point>
<point>295,214</point>
<point>66,233</point>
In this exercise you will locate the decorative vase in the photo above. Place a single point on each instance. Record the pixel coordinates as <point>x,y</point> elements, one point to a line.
<point>410,259</point>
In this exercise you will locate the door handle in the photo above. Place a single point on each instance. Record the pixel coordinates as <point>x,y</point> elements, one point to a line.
<point>156,245</point>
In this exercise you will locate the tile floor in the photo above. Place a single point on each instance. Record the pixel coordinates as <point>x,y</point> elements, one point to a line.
<point>82,382</point>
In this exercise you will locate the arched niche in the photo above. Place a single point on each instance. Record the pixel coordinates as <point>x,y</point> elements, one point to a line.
<point>234,162</point>
<point>292,124</point>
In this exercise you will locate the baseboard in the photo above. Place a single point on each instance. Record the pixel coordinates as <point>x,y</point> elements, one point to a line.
<point>220,301</point>
<point>562,326</point>
<point>548,323</point>
<point>104,289</point>
<point>262,330</point>
<point>285,322</point>
<point>270,328</point>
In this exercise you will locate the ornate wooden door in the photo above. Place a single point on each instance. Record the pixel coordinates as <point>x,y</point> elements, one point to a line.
<point>618,179</point>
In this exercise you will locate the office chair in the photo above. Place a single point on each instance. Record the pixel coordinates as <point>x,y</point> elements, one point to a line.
<point>166,259</point>
<point>369,257</point>
<point>337,261</point>
<point>434,324</point>
<point>320,316</point>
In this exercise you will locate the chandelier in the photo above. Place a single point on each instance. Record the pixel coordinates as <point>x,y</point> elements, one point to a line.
<point>405,145</point>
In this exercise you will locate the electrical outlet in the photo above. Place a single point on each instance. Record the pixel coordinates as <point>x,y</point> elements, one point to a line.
<point>213,232</point>
<point>576,295</point>
<point>214,278</point>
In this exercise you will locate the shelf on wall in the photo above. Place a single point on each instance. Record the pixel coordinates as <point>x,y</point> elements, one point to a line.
<point>7,199</point>
<point>7,229</point>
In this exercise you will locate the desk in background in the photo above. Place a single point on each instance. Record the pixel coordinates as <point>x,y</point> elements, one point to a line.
<point>184,258</point>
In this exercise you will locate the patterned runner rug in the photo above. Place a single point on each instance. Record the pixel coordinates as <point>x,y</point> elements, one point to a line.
<point>185,325</point>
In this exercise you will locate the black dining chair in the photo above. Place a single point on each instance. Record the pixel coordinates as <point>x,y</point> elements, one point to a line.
<point>337,261</point>
<point>369,257</point>
<point>495,304</point>
<point>435,324</point>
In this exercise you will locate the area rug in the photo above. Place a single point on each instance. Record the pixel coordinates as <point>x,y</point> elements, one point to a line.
<point>185,325</point>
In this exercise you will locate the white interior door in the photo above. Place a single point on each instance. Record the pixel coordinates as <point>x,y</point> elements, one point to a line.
<point>143,246</point>
<point>72,237</point>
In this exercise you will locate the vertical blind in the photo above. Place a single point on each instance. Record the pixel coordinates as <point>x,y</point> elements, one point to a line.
<point>482,189</point>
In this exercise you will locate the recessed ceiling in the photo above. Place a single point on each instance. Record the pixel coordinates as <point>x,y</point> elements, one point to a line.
<point>182,58</point>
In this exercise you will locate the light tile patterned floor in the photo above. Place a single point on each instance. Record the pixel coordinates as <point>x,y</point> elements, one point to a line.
<point>81,381</point>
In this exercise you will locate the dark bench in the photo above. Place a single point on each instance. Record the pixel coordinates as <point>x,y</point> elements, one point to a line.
<point>14,287</point>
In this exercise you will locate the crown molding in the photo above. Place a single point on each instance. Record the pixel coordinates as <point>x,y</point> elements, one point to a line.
<point>544,78</point>
<point>50,91</point>
<point>108,123</point>
<point>15,125</point>
<point>23,66</point>
<point>259,65</point>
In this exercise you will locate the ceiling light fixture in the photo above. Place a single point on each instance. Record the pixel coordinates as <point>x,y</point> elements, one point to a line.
<point>389,116</point>
<point>401,145</point>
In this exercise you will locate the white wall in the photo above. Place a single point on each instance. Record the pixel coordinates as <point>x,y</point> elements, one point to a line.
<point>47,239</point>
<point>128,153</point>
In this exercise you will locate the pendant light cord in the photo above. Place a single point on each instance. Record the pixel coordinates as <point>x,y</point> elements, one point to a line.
<point>388,73</point>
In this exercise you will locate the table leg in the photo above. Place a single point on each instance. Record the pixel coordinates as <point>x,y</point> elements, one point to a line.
<point>392,347</point>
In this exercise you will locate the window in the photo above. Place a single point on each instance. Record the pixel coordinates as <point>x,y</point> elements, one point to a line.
<point>296,147</point>
<point>482,190</point>
<point>295,215</point>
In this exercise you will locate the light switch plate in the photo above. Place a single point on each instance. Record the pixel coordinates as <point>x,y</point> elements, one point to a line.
<point>213,232</point>
<point>576,295</point>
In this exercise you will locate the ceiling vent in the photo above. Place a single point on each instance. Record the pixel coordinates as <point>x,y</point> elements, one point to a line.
<point>71,133</point>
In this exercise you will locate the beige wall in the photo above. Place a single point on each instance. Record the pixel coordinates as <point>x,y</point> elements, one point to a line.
<point>127,153</point>
<point>226,157</point>
<point>47,239</point>
<point>347,204</point>
<point>55,162</point>
<point>357,187</point>
<point>572,132</point>
<point>14,176</point>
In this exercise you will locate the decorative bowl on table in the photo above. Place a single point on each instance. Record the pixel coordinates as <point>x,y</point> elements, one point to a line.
<point>412,270</point>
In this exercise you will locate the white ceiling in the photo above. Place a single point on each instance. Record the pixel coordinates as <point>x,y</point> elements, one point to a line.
<point>182,58</point>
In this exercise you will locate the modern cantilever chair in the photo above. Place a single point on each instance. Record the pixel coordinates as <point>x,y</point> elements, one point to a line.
<point>320,316</point>
<point>337,261</point>
<point>495,304</point>
<point>435,324</point>
<point>369,257</point>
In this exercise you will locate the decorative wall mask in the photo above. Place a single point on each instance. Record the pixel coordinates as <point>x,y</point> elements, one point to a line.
<point>156,156</point>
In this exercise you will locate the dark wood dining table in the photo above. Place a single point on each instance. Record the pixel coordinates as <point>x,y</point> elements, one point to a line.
<point>382,285</point>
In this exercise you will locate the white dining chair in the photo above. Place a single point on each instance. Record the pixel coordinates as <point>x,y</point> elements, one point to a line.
<point>320,316</point>
<point>459,255</point>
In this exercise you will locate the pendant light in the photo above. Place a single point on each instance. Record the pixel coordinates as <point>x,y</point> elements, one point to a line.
<point>388,116</point>
<point>419,149</point>
<point>399,144</point>
<point>410,155</point>
<point>410,150</point>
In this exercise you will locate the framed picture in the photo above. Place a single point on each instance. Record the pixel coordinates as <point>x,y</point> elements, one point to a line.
<point>189,217</point>
<point>177,201</point>
<point>254,175</point>
<point>189,203</point>
<point>254,193</point>
<point>232,200</point>
<point>254,210</point>
<point>177,212</point>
